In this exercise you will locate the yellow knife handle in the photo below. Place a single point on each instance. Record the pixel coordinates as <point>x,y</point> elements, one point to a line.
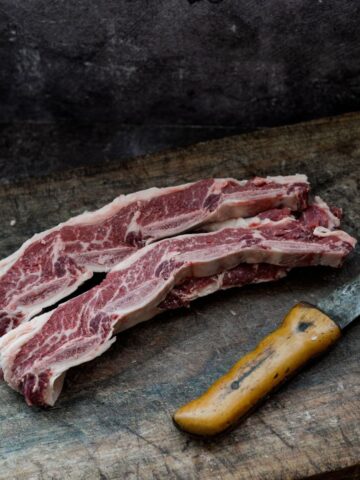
<point>305,333</point>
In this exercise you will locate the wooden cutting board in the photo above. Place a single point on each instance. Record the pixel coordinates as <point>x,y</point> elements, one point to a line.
<point>113,419</point>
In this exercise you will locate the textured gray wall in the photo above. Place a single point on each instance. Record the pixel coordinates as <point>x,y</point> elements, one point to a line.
<point>147,74</point>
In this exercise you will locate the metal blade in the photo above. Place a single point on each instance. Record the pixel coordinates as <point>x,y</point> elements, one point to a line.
<point>343,304</point>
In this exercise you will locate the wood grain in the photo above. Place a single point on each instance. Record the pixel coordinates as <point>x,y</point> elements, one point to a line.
<point>113,418</point>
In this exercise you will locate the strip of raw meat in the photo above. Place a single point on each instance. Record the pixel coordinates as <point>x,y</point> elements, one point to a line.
<point>244,274</point>
<point>35,356</point>
<point>52,264</point>
<point>318,214</point>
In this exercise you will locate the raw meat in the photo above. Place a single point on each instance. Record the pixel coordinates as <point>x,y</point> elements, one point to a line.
<point>244,274</point>
<point>35,356</point>
<point>318,214</point>
<point>52,264</point>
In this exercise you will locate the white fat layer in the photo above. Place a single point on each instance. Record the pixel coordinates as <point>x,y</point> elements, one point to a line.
<point>340,234</point>
<point>252,222</point>
<point>172,226</point>
<point>297,178</point>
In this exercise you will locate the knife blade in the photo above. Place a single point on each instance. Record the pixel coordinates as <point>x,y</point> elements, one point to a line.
<point>306,332</point>
<point>343,304</point>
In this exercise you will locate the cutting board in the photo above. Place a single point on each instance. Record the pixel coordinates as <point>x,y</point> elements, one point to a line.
<point>113,419</point>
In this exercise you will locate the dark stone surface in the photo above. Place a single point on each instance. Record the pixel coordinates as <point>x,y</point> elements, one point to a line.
<point>135,70</point>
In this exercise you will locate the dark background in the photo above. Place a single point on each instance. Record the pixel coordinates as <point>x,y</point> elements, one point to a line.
<point>86,82</point>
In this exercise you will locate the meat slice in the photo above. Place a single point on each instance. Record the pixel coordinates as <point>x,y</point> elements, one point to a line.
<point>52,264</point>
<point>318,214</point>
<point>35,356</point>
<point>244,274</point>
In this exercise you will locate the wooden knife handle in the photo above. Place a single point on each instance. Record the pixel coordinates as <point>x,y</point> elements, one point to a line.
<point>305,333</point>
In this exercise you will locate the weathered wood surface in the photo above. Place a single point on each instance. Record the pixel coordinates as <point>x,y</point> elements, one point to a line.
<point>113,418</point>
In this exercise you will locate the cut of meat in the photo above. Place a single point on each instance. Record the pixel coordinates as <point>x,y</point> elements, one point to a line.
<point>244,274</point>
<point>35,356</point>
<point>318,214</point>
<point>52,264</point>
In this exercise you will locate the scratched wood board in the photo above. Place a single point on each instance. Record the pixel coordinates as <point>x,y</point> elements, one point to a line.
<point>113,419</point>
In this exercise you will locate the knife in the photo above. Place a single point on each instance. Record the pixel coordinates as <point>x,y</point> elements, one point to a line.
<point>306,332</point>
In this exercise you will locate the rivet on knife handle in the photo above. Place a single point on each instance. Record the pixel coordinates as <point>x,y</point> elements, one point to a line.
<point>305,333</point>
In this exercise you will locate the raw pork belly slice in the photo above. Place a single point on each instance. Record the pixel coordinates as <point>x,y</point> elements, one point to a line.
<point>52,264</point>
<point>35,356</point>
